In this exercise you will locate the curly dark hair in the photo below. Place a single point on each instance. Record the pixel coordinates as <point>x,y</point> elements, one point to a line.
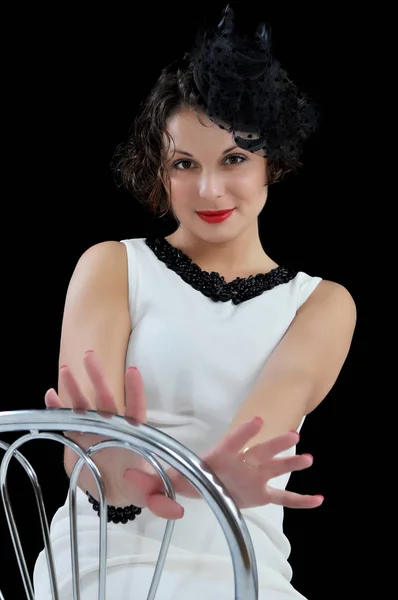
<point>233,80</point>
<point>139,163</point>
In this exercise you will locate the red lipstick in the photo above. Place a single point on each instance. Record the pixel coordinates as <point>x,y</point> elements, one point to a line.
<point>214,216</point>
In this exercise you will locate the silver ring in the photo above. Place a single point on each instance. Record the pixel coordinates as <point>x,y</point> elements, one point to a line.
<point>245,461</point>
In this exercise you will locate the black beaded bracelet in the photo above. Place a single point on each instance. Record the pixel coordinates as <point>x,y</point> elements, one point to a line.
<point>116,514</point>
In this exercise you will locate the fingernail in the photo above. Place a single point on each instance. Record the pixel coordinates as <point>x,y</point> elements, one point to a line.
<point>88,351</point>
<point>132,369</point>
<point>259,419</point>
<point>294,431</point>
<point>62,367</point>
<point>310,455</point>
<point>320,496</point>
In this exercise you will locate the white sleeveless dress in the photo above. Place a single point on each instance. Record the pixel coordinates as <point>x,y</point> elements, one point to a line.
<point>200,345</point>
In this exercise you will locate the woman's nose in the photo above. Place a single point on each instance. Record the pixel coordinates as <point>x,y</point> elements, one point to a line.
<point>211,186</point>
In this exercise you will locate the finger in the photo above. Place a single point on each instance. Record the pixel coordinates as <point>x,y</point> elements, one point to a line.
<point>143,485</point>
<point>277,444</point>
<point>281,466</point>
<point>52,400</point>
<point>265,451</point>
<point>73,390</point>
<point>182,485</point>
<point>135,397</point>
<point>164,507</point>
<point>240,436</point>
<point>149,491</point>
<point>104,399</point>
<point>293,500</point>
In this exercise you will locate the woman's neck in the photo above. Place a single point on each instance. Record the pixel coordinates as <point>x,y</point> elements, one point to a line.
<point>239,257</point>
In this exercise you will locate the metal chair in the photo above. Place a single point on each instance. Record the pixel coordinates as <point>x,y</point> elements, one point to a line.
<point>149,443</point>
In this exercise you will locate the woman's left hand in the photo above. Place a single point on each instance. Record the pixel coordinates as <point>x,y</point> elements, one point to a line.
<point>246,474</point>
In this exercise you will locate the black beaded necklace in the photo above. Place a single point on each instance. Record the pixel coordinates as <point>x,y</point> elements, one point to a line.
<point>213,285</point>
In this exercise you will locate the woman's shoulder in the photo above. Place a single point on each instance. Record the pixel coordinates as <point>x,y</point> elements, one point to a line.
<point>312,291</point>
<point>110,262</point>
<point>106,252</point>
<point>334,289</point>
<point>103,249</point>
<point>327,295</point>
<point>101,262</point>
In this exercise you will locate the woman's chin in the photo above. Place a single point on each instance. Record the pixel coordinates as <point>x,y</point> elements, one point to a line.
<point>215,235</point>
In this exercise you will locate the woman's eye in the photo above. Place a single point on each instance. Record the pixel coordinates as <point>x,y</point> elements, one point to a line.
<point>182,165</point>
<point>186,164</point>
<point>235,159</point>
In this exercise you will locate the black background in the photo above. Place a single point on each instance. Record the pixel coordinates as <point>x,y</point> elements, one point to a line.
<point>74,78</point>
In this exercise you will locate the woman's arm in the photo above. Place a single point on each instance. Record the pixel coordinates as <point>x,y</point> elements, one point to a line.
<point>305,365</point>
<point>96,317</point>
<point>296,377</point>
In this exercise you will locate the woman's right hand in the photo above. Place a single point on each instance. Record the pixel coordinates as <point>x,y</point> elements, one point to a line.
<point>142,488</point>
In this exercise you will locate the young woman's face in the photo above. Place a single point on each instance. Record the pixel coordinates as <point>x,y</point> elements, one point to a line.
<point>208,172</point>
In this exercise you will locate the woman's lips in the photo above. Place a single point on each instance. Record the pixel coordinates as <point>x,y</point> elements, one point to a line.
<point>214,216</point>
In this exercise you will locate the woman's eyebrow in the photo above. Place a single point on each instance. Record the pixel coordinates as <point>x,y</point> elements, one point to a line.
<point>191,155</point>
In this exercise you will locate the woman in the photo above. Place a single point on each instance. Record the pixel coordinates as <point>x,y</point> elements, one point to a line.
<point>200,334</point>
